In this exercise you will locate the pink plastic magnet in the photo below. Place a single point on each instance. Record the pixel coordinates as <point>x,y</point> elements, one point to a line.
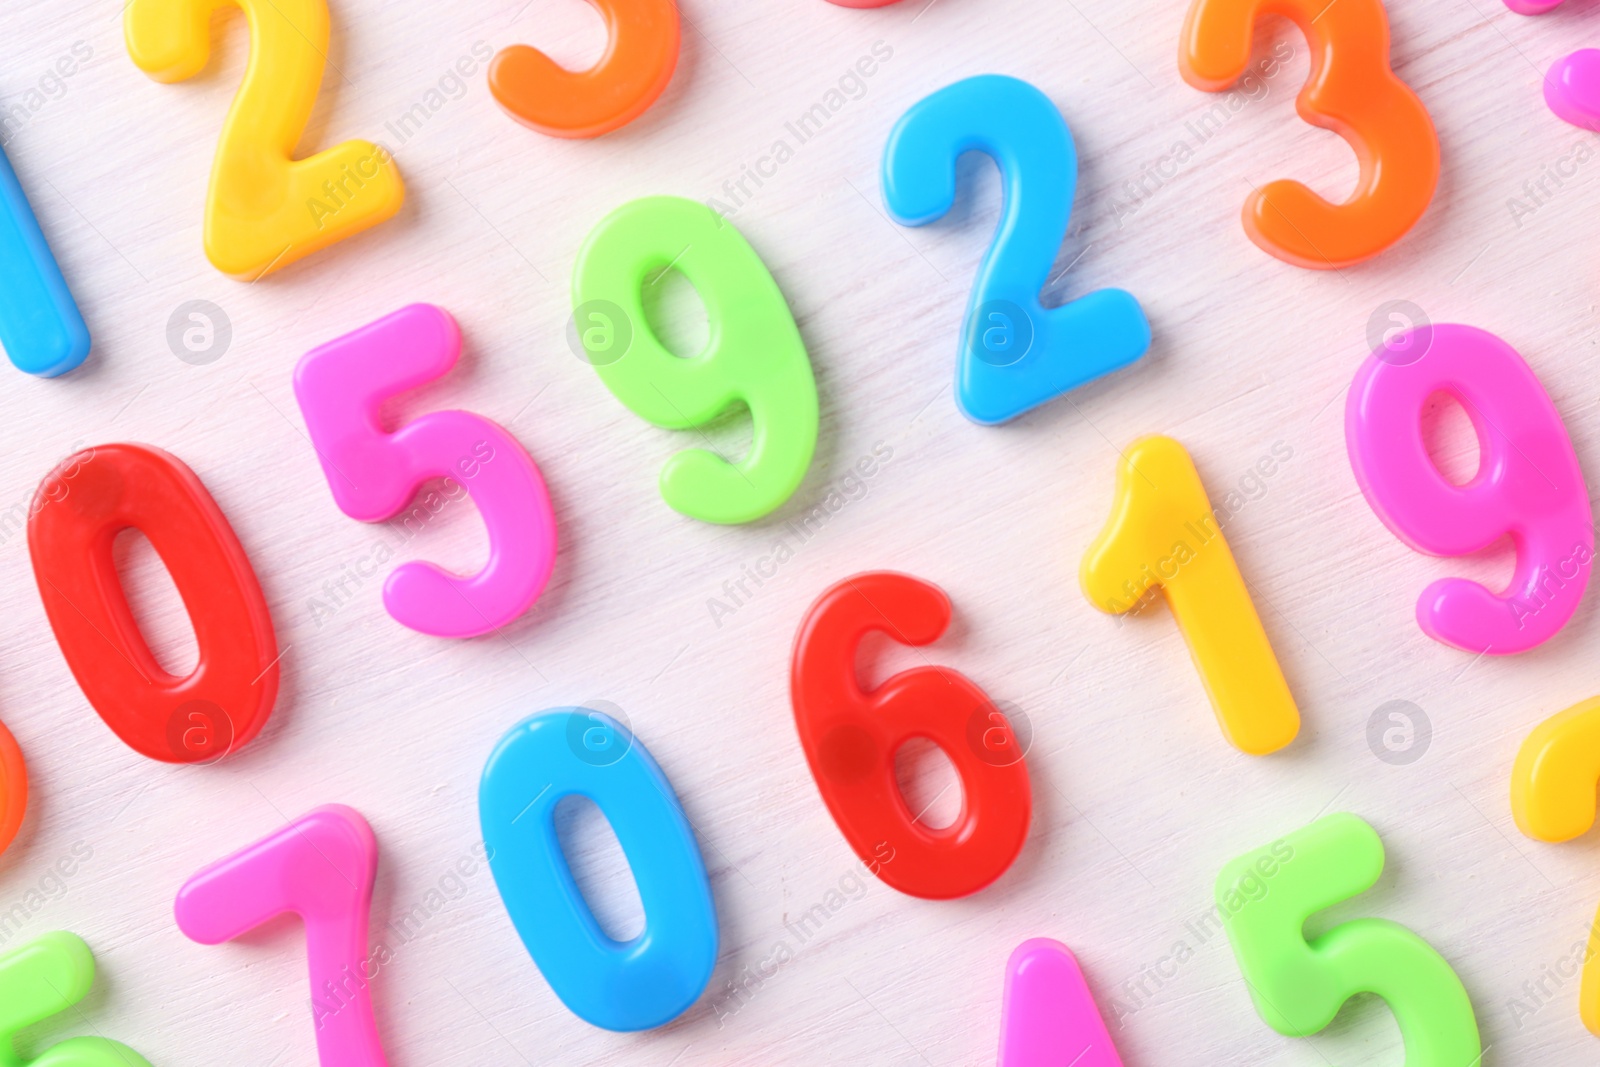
<point>320,867</point>
<point>1050,1018</point>
<point>374,473</point>
<point>1528,485</point>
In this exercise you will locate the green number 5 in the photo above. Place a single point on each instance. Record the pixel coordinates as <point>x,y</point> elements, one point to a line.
<point>1298,986</point>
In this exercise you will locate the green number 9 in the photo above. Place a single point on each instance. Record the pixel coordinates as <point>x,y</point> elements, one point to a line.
<point>755,354</point>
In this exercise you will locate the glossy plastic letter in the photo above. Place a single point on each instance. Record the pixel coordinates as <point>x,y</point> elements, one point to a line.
<point>320,867</point>
<point>42,979</point>
<point>40,325</point>
<point>1015,353</point>
<point>851,736</point>
<point>265,209</point>
<point>78,511</point>
<point>374,473</point>
<point>1352,91</point>
<point>1164,533</point>
<point>1528,486</point>
<point>634,985</point>
<point>641,54</point>
<point>1050,1018</point>
<point>13,787</point>
<point>755,354</point>
<point>1298,986</point>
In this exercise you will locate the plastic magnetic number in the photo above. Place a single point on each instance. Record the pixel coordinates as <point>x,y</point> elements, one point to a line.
<point>1298,986</point>
<point>42,979</point>
<point>1015,353</point>
<point>265,209</point>
<point>1163,532</point>
<point>1352,91</point>
<point>851,736</point>
<point>13,789</point>
<point>1528,485</point>
<point>1553,799</point>
<point>40,325</point>
<point>1050,1018</point>
<point>78,511</point>
<point>320,867</point>
<point>373,473</point>
<point>1572,87</point>
<point>633,985</point>
<point>755,354</point>
<point>641,54</point>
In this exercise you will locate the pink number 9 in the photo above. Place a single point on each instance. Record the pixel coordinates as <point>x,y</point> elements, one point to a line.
<point>1528,485</point>
<point>374,473</point>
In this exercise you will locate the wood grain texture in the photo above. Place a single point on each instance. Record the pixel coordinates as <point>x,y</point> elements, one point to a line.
<point>1138,800</point>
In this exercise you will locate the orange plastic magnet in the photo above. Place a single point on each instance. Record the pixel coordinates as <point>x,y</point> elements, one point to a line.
<point>640,56</point>
<point>13,787</point>
<point>1352,91</point>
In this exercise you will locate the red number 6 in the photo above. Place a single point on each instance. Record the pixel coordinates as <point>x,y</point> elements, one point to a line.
<point>851,736</point>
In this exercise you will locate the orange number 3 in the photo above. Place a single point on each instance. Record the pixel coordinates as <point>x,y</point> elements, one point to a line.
<point>641,54</point>
<point>265,209</point>
<point>1351,91</point>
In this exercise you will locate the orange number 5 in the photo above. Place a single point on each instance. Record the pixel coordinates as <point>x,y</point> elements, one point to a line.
<point>1351,91</point>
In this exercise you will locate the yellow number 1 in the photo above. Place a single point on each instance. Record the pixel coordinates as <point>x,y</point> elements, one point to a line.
<point>1163,533</point>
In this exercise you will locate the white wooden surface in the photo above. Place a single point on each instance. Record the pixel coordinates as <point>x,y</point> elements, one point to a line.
<point>1138,800</point>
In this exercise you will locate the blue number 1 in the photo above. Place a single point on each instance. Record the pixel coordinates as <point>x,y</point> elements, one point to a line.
<point>1015,353</point>
<point>40,325</point>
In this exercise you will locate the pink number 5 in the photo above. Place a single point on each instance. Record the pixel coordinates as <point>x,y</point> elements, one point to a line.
<point>320,867</point>
<point>374,473</point>
<point>1528,485</point>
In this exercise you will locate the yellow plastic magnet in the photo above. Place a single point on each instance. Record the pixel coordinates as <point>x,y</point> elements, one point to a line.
<point>265,209</point>
<point>1164,533</point>
<point>1553,799</point>
<point>1553,781</point>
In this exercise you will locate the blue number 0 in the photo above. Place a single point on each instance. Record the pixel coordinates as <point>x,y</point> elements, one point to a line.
<point>40,325</point>
<point>633,985</point>
<point>1015,353</point>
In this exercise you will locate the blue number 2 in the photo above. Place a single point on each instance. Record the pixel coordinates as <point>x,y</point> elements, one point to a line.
<point>1015,353</point>
<point>40,325</point>
<point>633,985</point>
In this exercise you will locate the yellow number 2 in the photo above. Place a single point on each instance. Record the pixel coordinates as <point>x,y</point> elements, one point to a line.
<point>1163,532</point>
<point>264,208</point>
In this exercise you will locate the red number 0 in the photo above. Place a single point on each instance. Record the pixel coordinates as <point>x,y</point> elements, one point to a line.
<point>78,511</point>
<point>851,736</point>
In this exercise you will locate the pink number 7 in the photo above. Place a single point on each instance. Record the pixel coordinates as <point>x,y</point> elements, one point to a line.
<point>374,473</point>
<point>320,867</point>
